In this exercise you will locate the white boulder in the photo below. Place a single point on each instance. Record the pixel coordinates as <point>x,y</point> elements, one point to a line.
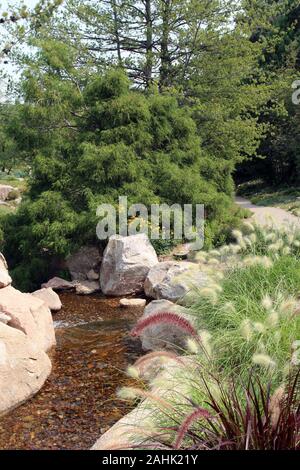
<point>5,279</point>
<point>23,368</point>
<point>49,297</point>
<point>87,287</point>
<point>29,315</point>
<point>128,303</point>
<point>126,263</point>
<point>26,333</point>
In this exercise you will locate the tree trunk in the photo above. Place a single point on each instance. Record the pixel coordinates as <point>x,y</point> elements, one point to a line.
<point>116,30</point>
<point>165,59</point>
<point>149,44</point>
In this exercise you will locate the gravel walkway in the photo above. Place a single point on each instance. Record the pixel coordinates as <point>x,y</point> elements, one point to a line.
<point>269,215</point>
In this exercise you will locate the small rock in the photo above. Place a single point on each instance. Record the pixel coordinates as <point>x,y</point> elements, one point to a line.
<point>132,303</point>
<point>87,287</point>
<point>4,191</point>
<point>50,298</point>
<point>92,275</point>
<point>57,283</point>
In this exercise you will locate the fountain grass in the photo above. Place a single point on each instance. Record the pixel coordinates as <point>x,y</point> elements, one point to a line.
<point>245,356</point>
<point>241,323</point>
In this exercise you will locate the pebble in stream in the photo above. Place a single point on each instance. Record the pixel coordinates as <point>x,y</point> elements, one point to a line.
<point>78,403</point>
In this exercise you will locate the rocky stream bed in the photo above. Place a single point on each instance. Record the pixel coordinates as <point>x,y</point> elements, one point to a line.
<point>78,403</point>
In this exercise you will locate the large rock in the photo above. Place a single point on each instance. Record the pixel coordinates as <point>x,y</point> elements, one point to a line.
<point>26,333</point>
<point>23,368</point>
<point>5,279</point>
<point>4,191</point>
<point>49,297</point>
<point>173,380</point>
<point>172,280</point>
<point>126,263</point>
<point>83,262</point>
<point>29,315</point>
<point>164,335</point>
<point>57,283</point>
<point>3,263</point>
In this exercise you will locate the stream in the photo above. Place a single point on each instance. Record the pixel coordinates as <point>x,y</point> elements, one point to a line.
<point>78,402</point>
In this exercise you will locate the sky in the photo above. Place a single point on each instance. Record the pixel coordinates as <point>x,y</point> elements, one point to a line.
<point>28,3</point>
<point>8,68</point>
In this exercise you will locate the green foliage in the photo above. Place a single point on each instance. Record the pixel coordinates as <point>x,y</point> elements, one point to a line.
<point>174,132</point>
<point>255,312</point>
<point>120,142</point>
<point>274,27</point>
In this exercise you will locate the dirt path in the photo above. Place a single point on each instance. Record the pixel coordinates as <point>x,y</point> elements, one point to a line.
<point>269,215</point>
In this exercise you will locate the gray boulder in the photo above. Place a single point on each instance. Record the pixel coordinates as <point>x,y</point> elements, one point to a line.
<point>164,335</point>
<point>172,280</point>
<point>81,263</point>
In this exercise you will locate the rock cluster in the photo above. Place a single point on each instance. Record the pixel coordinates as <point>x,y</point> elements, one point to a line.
<point>129,266</point>
<point>26,334</point>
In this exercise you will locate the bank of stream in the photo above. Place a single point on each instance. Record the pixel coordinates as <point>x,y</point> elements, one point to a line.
<point>78,402</point>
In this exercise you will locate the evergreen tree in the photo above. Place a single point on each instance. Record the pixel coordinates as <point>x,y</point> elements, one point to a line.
<point>275,27</point>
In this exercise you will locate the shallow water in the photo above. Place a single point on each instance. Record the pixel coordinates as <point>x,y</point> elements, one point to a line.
<point>78,402</point>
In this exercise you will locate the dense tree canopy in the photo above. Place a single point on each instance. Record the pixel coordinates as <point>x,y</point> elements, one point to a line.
<point>275,27</point>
